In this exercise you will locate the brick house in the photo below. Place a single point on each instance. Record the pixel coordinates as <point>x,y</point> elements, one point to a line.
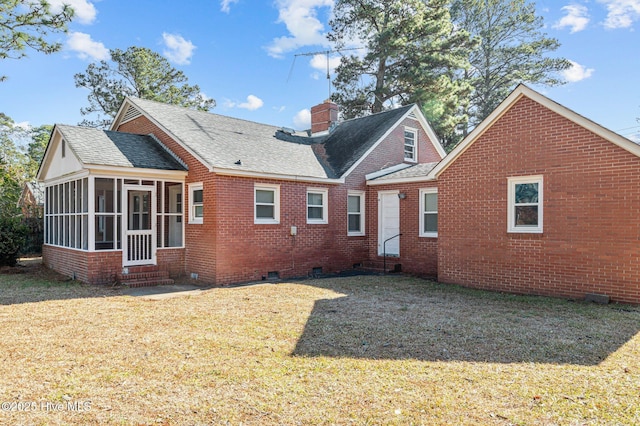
<point>170,191</point>
<point>536,200</point>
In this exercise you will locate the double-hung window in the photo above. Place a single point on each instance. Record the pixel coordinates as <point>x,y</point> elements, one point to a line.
<point>355,213</point>
<point>429,212</point>
<point>267,204</point>
<point>525,204</point>
<point>410,144</point>
<point>196,202</point>
<point>317,205</point>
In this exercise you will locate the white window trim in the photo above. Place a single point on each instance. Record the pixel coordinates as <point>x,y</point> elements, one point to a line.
<point>195,187</point>
<point>415,144</point>
<point>362,214</point>
<point>276,204</point>
<point>422,233</point>
<point>325,202</point>
<point>511,189</point>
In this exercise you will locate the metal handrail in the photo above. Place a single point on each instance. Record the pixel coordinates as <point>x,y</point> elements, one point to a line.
<point>384,253</point>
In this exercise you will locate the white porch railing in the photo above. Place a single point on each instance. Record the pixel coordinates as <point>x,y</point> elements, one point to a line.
<point>139,247</point>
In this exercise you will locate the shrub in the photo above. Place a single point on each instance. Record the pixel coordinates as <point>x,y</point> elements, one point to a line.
<point>12,237</point>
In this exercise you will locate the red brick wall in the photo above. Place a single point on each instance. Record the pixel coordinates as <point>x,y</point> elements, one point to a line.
<point>418,255</point>
<point>248,251</point>
<point>171,260</point>
<point>591,204</point>
<point>98,267</point>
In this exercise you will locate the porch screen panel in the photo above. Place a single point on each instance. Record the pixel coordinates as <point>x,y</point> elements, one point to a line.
<point>66,213</point>
<point>170,214</point>
<point>108,213</point>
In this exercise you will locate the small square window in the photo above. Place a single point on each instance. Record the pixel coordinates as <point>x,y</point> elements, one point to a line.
<point>317,205</point>
<point>267,204</point>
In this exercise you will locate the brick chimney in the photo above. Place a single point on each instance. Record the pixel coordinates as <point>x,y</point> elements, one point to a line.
<point>323,116</point>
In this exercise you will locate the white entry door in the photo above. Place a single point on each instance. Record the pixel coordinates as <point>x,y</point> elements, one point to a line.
<point>388,223</point>
<point>139,246</point>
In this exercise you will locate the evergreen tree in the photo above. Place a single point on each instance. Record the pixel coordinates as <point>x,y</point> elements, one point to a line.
<point>413,52</point>
<point>512,50</point>
<point>27,24</point>
<point>138,72</point>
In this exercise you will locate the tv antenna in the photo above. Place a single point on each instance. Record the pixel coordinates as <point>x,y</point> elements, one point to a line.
<point>321,52</point>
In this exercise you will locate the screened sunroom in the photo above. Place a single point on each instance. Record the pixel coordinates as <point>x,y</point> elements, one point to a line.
<point>112,192</point>
<point>99,213</point>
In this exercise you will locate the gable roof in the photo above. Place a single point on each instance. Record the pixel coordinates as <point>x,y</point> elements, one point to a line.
<point>233,146</point>
<point>351,139</point>
<point>229,145</point>
<point>36,190</point>
<point>514,96</point>
<point>117,149</point>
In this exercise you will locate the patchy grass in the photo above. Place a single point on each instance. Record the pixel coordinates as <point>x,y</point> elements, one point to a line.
<point>359,350</point>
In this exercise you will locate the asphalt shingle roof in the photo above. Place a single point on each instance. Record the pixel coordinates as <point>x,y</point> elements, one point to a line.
<point>351,139</point>
<point>417,170</point>
<point>108,148</point>
<point>221,142</point>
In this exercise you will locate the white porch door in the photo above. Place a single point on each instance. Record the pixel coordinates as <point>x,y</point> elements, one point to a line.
<point>388,223</point>
<point>175,221</point>
<point>139,246</point>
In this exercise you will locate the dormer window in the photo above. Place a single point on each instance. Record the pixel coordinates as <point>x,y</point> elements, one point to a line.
<point>410,144</point>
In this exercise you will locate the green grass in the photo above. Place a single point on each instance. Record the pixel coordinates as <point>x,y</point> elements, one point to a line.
<point>359,350</point>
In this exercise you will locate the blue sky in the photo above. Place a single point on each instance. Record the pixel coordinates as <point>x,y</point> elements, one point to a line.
<point>243,54</point>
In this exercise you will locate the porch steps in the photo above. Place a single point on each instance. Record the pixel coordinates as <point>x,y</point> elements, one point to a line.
<point>144,276</point>
<point>377,266</point>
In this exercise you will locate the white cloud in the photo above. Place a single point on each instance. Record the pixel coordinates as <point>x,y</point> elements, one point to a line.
<point>252,104</point>
<point>577,18</point>
<point>621,13</point>
<point>178,50</point>
<point>302,120</point>
<point>225,5</point>
<point>86,48</point>
<point>305,29</point>
<point>319,62</point>
<point>577,72</point>
<point>84,11</point>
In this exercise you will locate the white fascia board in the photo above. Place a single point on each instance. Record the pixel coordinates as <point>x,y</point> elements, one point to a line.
<point>66,178</point>
<point>414,179</point>
<point>387,171</point>
<point>274,176</point>
<point>134,172</point>
<point>46,151</point>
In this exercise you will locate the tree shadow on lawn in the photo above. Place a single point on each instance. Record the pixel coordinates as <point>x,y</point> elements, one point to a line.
<point>407,318</point>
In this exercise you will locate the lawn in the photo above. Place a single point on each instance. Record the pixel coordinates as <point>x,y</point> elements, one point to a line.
<point>354,350</point>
